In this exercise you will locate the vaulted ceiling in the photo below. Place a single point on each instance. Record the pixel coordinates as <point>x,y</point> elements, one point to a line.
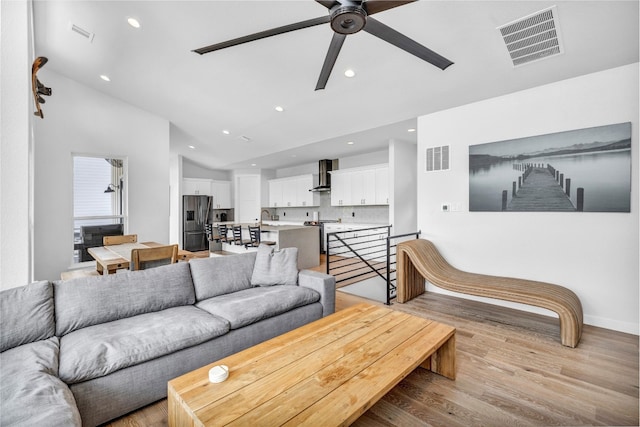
<point>237,89</point>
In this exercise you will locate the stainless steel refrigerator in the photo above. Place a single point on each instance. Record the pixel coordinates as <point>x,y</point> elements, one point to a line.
<point>195,214</point>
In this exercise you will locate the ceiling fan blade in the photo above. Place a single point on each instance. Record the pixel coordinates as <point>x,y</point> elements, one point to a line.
<point>330,59</point>
<point>328,3</point>
<point>263,34</point>
<point>397,39</point>
<point>375,6</point>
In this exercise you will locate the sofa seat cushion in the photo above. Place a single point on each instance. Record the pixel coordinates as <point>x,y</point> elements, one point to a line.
<point>249,306</point>
<point>30,391</point>
<point>99,350</point>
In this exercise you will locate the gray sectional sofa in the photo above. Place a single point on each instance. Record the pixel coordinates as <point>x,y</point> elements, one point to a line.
<point>87,350</point>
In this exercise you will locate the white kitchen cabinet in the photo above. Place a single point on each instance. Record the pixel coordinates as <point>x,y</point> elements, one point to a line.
<point>289,192</point>
<point>275,193</point>
<point>196,186</point>
<point>304,197</point>
<point>340,188</point>
<point>363,187</point>
<point>382,185</point>
<point>360,186</point>
<point>221,192</point>
<point>292,192</point>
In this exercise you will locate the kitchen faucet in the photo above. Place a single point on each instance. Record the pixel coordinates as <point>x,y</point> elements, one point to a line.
<point>261,214</point>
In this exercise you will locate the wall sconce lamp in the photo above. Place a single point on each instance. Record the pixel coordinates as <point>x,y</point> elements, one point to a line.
<point>111,188</point>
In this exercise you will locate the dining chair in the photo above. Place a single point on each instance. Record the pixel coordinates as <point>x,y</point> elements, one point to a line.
<point>142,259</point>
<point>256,237</point>
<point>118,240</point>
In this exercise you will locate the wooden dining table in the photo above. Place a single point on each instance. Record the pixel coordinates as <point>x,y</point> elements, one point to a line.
<point>115,257</point>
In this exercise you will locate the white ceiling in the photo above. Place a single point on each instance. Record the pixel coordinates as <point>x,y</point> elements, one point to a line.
<point>237,88</point>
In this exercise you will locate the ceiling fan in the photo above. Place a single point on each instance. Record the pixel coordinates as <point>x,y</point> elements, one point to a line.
<point>346,17</point>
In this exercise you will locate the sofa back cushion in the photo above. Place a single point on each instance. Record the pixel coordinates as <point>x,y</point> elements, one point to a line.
<point>222,275</point>
<point>27,314</point>
<point>93,300</point>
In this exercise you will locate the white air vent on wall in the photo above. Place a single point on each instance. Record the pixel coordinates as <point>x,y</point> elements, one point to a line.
<point>438,158</point>
<point>533,37</point>
<point>81,31</point>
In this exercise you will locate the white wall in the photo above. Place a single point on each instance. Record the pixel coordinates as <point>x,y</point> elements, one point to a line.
<point>593,254</point>
<point>80,120</point>
<point>175,199</point>
<point>16,112</point>
<point>403,209</point>
<point>193,170</point>
<point>368,159</point>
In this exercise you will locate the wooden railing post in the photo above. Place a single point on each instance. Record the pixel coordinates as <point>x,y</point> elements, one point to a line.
<point>580,199</point>
<point>568,189</point>
<point>504,200</point>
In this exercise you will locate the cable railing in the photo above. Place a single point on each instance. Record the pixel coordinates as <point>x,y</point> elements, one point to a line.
<point>357,255</point>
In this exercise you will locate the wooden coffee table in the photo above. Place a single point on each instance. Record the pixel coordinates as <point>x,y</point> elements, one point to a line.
<point>328,372</point>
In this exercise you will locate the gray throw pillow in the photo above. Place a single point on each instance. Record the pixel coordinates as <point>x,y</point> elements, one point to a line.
<point>275,267</point>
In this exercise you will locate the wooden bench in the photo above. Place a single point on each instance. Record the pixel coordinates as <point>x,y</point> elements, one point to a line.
<point>419,259</point>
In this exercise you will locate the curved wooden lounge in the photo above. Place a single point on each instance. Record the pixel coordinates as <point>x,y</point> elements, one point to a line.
<point>419,259</point>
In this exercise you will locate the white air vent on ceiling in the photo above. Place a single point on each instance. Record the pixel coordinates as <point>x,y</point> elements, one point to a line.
<point>81,31</point>
<point>244,138</point>
<point>438,158</point>
<point>533,37</point>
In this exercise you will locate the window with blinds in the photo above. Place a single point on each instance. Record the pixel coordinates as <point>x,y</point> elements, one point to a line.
<point>98,204</point>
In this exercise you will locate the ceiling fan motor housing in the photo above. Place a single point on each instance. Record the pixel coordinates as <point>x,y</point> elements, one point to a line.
<point>348,18</point>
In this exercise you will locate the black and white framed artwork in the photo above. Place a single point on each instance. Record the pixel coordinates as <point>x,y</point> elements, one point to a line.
<point>585,170</point>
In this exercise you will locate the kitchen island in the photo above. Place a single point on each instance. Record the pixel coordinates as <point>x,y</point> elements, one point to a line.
<point>305,238</point>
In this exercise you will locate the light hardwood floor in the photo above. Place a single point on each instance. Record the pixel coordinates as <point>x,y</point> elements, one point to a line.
<point>512,371</point>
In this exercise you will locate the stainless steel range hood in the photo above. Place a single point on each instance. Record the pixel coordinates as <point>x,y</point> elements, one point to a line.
<point>324,177</point>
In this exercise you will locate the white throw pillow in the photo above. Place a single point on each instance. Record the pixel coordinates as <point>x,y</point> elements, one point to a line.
<point>275,267</point>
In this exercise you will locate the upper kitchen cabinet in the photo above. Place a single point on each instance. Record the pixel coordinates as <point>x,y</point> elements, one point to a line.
<point>196,187</point>
<point>304,197</point>
<point>292,192</point>
<point>221,192</point>
<point>360,186</point>
<point>382,185</point>
<point>341,188</point>
<point>275,193</point>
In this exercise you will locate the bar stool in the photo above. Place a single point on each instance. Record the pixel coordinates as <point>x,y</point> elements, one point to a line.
<point>222,233</point>
<point>256,239</point>
<point>237,236</point>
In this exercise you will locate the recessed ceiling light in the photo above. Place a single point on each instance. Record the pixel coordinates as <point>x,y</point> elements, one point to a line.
<point>133,22</point>
<point>253,164</point>
<point>192,147</point>
<point>279,109</point>
<point>349,73</point>
<point>105,77</point>
<point>411,130</point>
<point>226,132</point>
<point>350,143</point>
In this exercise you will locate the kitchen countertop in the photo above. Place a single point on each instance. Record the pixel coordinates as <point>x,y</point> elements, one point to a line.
<point>265,226</point>
<point>278,228</point>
